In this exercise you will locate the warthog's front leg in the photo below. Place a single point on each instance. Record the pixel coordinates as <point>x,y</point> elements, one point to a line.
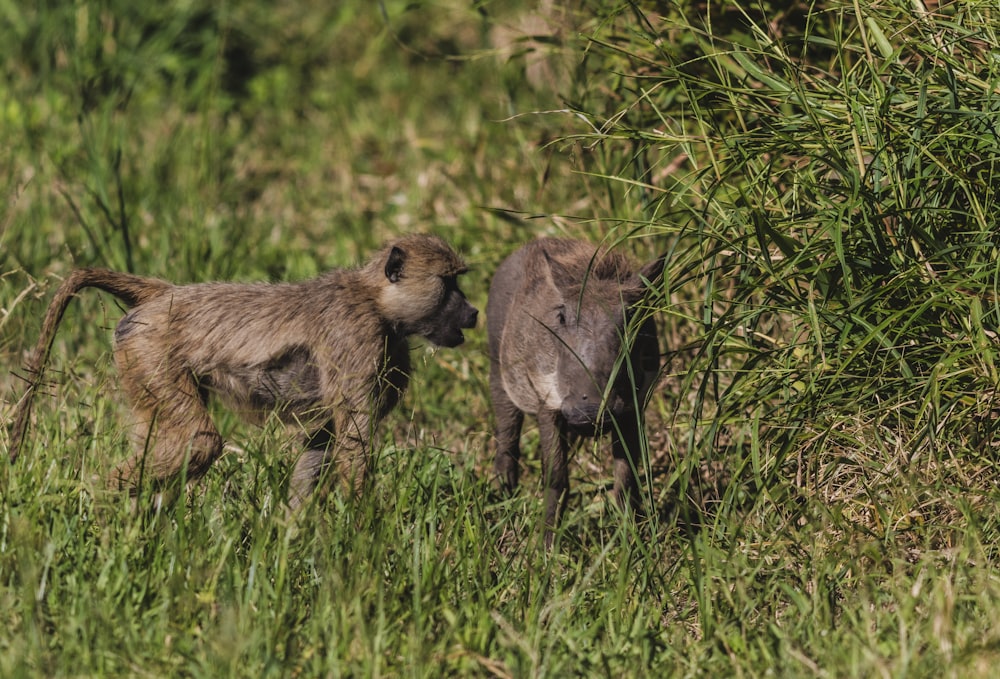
<point>506,465</point>
<point>554,444</point>
<point>626,447</point>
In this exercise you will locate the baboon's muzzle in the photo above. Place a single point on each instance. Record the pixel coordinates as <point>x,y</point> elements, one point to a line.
<point>451,336</point>
<point>470,316</point>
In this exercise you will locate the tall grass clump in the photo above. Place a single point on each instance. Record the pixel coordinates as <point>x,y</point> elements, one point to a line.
<point>823,180</point>
<point>826,179</point>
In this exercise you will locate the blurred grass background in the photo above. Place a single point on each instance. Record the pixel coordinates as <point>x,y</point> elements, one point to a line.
<point>822,444</point>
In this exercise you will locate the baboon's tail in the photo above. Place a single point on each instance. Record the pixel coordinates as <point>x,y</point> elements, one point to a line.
<point>130,289</point>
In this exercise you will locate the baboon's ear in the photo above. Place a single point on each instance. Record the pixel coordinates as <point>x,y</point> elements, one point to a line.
<point>394,265</point>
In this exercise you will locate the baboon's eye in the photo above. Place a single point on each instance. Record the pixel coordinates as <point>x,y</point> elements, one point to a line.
<point>449,286</point>
<point>394,265</point>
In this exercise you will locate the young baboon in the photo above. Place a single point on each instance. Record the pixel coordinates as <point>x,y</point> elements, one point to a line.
<point>330,355</point>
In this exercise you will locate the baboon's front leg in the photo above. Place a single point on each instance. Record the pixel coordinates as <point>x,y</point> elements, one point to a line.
<point>554,444</point>
<point>351,454</point>
<point>339,449</point>
<point>311,466</point>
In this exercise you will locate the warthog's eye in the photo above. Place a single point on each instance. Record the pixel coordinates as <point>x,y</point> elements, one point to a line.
<point>561,314</point>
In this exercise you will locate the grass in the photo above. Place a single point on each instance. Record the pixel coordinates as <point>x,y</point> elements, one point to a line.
<point>823,178</point>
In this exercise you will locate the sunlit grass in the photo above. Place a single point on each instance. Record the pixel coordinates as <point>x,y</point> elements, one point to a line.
<point>824,181</point>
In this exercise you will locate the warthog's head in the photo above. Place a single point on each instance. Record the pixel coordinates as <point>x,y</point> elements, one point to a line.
<point>604,356</point>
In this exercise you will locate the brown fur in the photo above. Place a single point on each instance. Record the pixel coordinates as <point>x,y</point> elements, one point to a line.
<point>330,354</point>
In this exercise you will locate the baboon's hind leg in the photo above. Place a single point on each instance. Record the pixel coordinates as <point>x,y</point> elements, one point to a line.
<point>172,431</point>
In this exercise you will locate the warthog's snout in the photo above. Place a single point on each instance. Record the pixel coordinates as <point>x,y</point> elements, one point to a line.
<point>586,416</point>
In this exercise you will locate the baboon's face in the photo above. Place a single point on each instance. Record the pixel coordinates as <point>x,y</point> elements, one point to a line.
<point>454,313</point>
<point>421,294</point>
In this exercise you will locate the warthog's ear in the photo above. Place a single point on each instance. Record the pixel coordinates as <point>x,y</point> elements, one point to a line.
<point>645,278</point>
<point>394,264</point>
<point>557,276</point>
<point>653,270</point>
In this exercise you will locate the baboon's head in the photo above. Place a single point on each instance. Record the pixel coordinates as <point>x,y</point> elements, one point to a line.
<point>419,292</point>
